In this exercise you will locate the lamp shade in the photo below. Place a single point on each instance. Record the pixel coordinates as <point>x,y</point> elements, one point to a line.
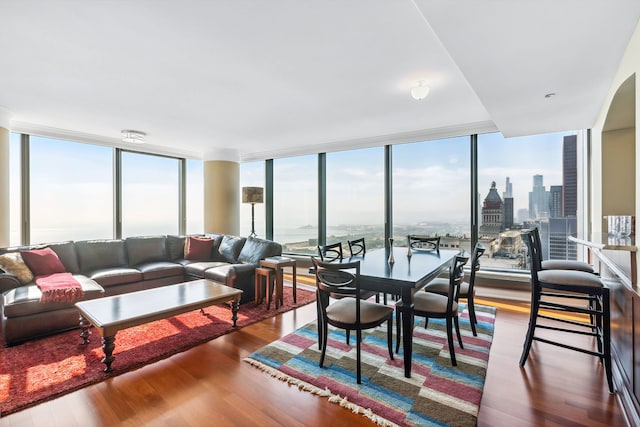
<point>252,195</point>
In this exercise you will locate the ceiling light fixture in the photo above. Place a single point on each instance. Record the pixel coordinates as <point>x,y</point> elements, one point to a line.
<point>420,90</point>
<point>133,136</point>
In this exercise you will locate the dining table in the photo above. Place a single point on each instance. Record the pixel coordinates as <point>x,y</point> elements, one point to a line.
<point>408,273</point>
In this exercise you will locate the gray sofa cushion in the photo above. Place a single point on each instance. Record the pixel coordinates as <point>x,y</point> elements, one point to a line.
<point>115,276</point>
<point>67,253</point>
<point>256,249</point>
<point>175,247</point>
<point>197,268</point>
<point>146,249</point>
<point>159,269</point>
<point>230,248</point>
<point>98,254</point>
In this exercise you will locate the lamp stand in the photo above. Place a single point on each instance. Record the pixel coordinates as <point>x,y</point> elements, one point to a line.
<point>253,228</point>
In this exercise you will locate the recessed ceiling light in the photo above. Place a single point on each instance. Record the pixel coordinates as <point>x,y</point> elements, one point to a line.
<point>420,90</point>
<point>133,136</point>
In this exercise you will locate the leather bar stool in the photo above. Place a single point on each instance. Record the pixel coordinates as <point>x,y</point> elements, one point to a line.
<point>559,292</point>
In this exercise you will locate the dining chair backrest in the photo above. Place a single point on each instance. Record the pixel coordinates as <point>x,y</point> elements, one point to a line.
<point>456,275</point>
<point>478,251</point>
<point>424,242</point>
<point>337,279</point>
<point>531,239</point>
<point>330,253</point>
<point>357,247</point>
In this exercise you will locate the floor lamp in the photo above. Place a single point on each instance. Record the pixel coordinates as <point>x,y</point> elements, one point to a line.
<point>252,195</point>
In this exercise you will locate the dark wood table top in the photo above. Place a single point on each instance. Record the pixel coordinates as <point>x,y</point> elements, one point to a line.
<point>407,272</point>
<point>111,314</point>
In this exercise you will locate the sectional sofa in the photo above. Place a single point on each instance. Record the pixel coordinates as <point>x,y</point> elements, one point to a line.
<point>112,267</point>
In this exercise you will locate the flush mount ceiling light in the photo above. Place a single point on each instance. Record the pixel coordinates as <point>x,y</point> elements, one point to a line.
<point>133,136</point>
<point>420,90</point>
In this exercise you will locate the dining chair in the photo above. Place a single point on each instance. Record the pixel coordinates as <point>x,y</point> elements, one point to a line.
<point>562,292</point>
<point>435,306</point>
<point>419,242</point>
<point>350,312</point>
<point>330,253</point>
<point>440,286</point>
<point>357,247</point>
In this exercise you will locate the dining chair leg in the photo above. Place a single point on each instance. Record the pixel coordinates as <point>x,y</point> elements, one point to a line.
<point>452,352</point>
<point>390,336</point>
<point>398,328</point>
<point>320,322</point>
<point>348,332</point>
<point>358,356</point>
<point>324,343</point>
<point>457,325</point>
<point>472,314</point>
<point>533,316</point>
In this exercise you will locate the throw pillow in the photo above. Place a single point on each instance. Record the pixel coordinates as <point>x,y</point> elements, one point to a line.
<point>13,263</point>
<point>43,262</point>
<point>198,248</point>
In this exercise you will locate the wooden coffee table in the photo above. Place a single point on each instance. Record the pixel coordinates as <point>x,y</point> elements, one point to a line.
<point>111,314</point>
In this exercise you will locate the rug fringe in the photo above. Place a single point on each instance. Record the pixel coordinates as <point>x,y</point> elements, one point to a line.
<point>333,398</point>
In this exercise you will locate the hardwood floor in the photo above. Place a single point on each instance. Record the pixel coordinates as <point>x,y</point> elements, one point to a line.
<point>210,385</point>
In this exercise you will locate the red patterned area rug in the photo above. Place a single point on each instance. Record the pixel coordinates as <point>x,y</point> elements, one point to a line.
<point>437,394</point>
<point>46,368</point>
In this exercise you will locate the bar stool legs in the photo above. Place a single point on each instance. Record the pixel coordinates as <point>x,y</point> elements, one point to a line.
<point>599,326</point>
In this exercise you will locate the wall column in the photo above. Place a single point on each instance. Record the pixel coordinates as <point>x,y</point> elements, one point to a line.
<point>5,125</point>
<point>222,192</point>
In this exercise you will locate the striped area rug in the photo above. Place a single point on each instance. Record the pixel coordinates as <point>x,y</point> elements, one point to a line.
<point>437,394</point>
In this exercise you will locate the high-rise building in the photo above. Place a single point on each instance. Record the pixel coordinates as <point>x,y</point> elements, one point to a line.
<point>508,189</point>
<point>538,199</point>
<point>555,201</point>
<point>569,176</point>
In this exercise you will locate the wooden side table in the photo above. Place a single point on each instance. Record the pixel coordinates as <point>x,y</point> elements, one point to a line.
<point>278,263</point>
<point>264,287</point>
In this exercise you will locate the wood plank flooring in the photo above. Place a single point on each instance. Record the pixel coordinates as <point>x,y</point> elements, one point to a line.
<point>209,385</point>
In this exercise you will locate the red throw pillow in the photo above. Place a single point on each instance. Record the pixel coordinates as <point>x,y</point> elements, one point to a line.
<point>43,262</point>
<point>198,248</point>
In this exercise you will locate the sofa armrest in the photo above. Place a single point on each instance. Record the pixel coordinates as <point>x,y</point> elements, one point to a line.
<point>8,281</point>
<point>229,273</point>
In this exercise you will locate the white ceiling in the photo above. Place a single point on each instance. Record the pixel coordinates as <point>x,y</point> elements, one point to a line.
<point>266,79</point>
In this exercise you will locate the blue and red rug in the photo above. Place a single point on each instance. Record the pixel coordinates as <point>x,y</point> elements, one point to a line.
<point>437,393</point>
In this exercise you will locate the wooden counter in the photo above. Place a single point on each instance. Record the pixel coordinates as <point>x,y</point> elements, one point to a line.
<point>615,260</point>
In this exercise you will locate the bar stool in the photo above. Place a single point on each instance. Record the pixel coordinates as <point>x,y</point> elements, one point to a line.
<point>571,286</point>
<point>264,283</point>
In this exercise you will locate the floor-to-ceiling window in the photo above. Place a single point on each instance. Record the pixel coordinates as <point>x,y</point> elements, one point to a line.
<point>150,194</point>
<point>355,196</point>
<point>295,204</point>
<point>252,174</point>
<point>195,200</point>
<point>525,182</point>
<point>71,190</point>
<point>431,191</point>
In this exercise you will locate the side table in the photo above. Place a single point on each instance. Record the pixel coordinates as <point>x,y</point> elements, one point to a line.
<point>278,263</point>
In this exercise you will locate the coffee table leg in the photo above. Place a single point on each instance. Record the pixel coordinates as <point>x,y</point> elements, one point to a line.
<point>235,304</point>
<point>108,345</point>
<point>85,332</point>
